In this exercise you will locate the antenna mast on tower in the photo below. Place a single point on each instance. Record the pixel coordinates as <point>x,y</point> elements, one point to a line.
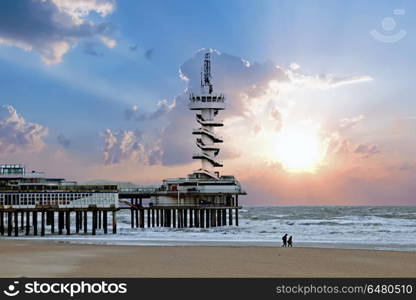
<point>206,78</point>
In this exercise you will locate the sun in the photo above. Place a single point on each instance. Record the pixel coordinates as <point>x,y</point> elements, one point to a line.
<point>299,149</point>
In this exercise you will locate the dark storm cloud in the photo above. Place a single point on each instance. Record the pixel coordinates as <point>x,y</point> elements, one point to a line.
<point>51,28</point>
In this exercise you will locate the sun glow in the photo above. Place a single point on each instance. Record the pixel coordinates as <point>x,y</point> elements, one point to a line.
<point>299,149</point>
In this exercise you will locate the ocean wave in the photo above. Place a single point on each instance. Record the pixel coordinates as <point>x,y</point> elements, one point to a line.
<point>338,225</point>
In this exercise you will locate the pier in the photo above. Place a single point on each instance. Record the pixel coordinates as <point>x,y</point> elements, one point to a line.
<point>77,209</point>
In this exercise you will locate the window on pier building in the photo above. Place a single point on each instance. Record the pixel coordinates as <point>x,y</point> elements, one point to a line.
<point>12,169</point>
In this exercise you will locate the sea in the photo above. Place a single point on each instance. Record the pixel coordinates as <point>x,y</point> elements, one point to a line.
<point>343,227</point>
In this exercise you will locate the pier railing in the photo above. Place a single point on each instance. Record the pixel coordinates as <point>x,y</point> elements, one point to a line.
<point>138,190</point>
<point>192,190</point>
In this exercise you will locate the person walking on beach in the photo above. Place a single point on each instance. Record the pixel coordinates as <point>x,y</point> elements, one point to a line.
<point>289,242</point>
<point>284,239</point>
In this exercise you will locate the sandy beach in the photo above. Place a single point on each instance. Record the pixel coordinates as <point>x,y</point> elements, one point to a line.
<point>52,259</point>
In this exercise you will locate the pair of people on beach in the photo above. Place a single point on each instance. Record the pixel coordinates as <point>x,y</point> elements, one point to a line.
<point>287,242</point>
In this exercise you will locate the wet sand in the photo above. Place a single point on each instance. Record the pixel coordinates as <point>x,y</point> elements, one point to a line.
<point>51,259</point>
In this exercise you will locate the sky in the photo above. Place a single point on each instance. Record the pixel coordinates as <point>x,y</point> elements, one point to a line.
<point>320,94</point>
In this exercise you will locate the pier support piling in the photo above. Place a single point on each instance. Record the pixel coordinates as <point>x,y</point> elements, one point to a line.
<point>77,222</point>
<point>136,212</point>
<point>191,221</point>
<point>105,221</point>
<point>42,224</point>
<point>132,217</point>
<point>9,223</point>
<point>99,219</point>
<point>202,212</point>
<point>52,221</point>
<point>68,222</point>
<point>207,218</point>
<point>27,223</point>
<point>1,222</point>
<point>16,223</point>
<point>80,220</point>
<point>196,215</point>
<point>22,219</point>
<point>35,222</point>
<point>85,222</point>
<point>142,218</point>
<point>60,221</point>
<point>114,222</point>
<point>185,218</point>
<point>94,221</point>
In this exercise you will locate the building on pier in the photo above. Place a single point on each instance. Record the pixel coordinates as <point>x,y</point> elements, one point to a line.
<point>19,189</point>
<point>28,200</point>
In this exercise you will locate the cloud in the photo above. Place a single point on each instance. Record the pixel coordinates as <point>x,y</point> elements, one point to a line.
<point>340,145</point>
<point>162,108</point>
<point>90,49</point>
<point>134,48</point>
<point>78,9</point>
<point>325,81</point>
<point>128,145</point>
<point>277,116</point>
<point>407,166</point>
<point>63,141</point>
<point>18,135</point>
<point>148,54</point>
<point>337,81</point>
<point>130,112</point>
<point>51,27</point>
<point>367,150</point>
<point>294,66</point>
<point>110,43</point>
<point>347,123</point>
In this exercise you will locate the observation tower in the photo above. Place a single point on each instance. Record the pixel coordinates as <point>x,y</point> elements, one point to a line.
<point>204,195</point>
<point>207,104</point>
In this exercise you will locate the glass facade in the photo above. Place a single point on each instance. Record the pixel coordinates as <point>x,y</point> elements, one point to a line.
<point>59,199</point>
<point>12,169</point>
